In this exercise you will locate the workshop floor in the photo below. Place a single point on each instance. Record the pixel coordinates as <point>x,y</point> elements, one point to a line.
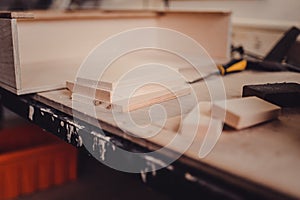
<point>95,181</point>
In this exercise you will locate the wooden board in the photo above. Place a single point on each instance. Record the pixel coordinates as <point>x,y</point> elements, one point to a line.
<point>57,44</point>
<point>138,68</point>
<point>245,112</point>
<point>144,97</point>
<point>58,63</point>
<point>268,154</point>
<point>89,14</point>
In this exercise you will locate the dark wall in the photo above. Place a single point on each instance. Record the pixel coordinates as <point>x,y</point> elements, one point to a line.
<point>24,4</point>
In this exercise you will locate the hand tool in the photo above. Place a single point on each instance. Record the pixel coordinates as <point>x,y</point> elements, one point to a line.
<point>273,61</point>
<point>234,65</point>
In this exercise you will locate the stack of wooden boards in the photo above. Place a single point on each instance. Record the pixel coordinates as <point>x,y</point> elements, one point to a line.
<point>134,92</point>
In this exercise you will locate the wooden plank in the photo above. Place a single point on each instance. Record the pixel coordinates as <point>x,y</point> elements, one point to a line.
<point>100,14</point>
<point>16,15</point>
<point>56,64</point>
<point>146,91</point>
<point>90,14</point>
<point>245,112</point>
<point>139,67</point>
<point>144,97</point>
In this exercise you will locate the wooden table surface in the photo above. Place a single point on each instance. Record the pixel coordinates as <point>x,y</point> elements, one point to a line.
<point>267,154</point>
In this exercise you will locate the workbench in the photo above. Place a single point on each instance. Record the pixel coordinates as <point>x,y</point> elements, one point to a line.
<point>259,162</point>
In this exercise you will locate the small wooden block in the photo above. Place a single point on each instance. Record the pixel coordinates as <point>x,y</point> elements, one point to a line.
<point>245,112</point>
<point>16,15</point>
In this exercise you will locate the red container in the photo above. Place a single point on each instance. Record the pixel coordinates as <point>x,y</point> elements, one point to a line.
<point>31,159</point>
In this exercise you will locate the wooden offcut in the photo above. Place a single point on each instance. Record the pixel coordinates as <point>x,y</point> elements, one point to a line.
<point>245,112</point>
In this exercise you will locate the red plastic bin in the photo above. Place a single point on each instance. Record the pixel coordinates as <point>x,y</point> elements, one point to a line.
<point>32,159</point>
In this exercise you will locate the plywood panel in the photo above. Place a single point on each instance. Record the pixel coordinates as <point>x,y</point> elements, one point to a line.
<point>54,45</point>
<point>139,68</point>
<point>7,62</point>
<point>245,112</point>
<point>53,63</point>
<point>209,30</point>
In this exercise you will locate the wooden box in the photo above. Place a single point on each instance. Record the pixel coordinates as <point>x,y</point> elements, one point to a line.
<point>40,51</point>
<point>31,160</point>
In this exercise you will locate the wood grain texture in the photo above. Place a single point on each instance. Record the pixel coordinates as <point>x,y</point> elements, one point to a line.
<point>7,60</point>
<point>143,97</point>
<point>268,154</point>
<point>245,112</point>
<point>146,100</point>
<point>56,63</point>
<point>138,68</point>
<point>138,94</point>
<point>90,14</point>
<point>215,39</point>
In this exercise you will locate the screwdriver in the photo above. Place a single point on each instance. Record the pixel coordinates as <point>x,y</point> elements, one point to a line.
<point>235,65</point>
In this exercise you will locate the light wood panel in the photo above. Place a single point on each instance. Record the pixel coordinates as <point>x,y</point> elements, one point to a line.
<point>138,68</point>
<point>90,14</point>
<point>143,97</point>
<point>208,30</point>
<point>61,41</point>
<point>245,112</point>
